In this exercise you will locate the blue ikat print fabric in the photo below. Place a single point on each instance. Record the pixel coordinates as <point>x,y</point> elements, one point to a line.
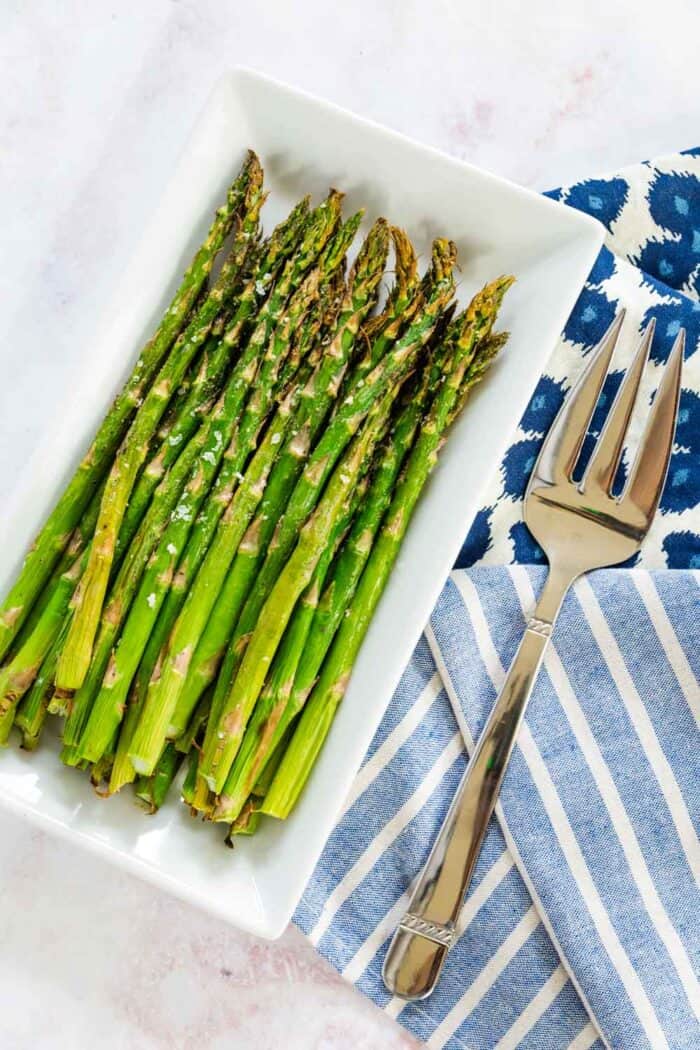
<point>650,264</point>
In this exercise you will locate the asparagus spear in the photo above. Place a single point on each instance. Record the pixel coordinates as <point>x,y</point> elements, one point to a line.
<point>43,624</point>
<point>280,246</point>
<point>248,821</point>
<point>189,696</point>
<point>237,389</point>
<point>109,705</point>
<point>382,331</point>
<point>56,530</point>
<point>190,781</point>
<point>76,706</point>
<point>356,550</point>
<point>31,712</point>
<point>319,231</point>
<point>164,690</point>
<point>123,771</point>
<point>196,726</point>
<point>318,712</point>
<point>151,791</point>
<point>317,398</point>
<point>88,599</point>
<point>314,537</point>
<point>362,394</point>
<point>271,720</point>
<point>17,677</point>
<point>6,723</point>
<point>260,739</point>
<point>204,528</point>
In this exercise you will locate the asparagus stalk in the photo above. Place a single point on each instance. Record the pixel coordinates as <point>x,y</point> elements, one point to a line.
<point>197,723</point>
<point>151,791</point>
<point>42,626</point>
<point>261,738</point>
<point>123,770</point>
<point>74,661</point>
<point>77,705</point>
<point>190,782</point>
<point>6,723</point>
<point>272,720</point>
<point>314,537</point>
<point>272,717</point>
<point>280,246</point>
<point>320,709</point>
<point>30,714</point>
<point>81,536</point>
<point>17,677</point>
<point>356,550</point>
<point>99,775</point>
<point>190,696</point>
<point>204,528</point>
<point>248,821</point>
<point>205,525</point>
<point>164,689</point>
<point>168,493</point>
<point>109,704</point>
<point>56,530</point>
<point>382,331</point>
<point>319,231</point>
<point>317,398</point>
<point>362,394</point>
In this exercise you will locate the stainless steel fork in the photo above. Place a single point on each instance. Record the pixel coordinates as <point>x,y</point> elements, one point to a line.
<point>580,527</point>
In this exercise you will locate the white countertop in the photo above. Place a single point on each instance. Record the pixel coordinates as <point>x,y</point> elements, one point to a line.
<point>97,101</point>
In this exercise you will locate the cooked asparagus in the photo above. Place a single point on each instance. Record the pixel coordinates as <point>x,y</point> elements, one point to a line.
<point>202,588</point>
<point>56,531</point>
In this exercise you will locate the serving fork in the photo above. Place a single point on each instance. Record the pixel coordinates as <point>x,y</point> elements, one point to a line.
<point>580,526</point>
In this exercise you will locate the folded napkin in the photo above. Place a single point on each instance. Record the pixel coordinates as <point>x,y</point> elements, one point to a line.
<point>581,928</point>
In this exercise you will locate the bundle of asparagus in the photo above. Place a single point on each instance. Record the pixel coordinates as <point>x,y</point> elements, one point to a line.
<point>198,596</point>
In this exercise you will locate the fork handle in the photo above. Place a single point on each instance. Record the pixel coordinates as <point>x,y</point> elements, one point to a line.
<point>420,944</point>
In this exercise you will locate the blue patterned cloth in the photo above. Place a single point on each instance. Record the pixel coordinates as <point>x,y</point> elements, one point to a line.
<point>581,925</point>
<point>650,264</point>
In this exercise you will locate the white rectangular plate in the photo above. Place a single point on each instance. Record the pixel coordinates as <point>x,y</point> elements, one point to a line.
<point>306,145</point>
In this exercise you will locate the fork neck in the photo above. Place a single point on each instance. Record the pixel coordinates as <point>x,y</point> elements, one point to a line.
<point>558,582</point>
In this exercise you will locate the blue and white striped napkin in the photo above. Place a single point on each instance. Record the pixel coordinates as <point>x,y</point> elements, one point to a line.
<point>582,925</point>
<point>583,917</point>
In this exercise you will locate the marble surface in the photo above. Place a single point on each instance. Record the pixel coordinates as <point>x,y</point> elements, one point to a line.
<point>97,100</point>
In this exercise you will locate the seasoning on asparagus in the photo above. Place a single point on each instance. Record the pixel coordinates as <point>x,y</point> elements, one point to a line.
<point>320,229</point>
<point>238,388</point>
<point>320,709</point>
<point>89,596</point>
<point>316,400</point>
<point>56,531</point>
<point>362,395</point>
<point>314,537</point>
<point>228,335</point>
<point>109,704</point>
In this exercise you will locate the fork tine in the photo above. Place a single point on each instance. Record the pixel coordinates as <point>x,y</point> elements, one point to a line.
<point>605,460</point>
<point>563,442</point>
<point>647,477</point>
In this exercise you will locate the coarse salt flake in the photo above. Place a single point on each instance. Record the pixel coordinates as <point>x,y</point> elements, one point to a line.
<point>151,601</point>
